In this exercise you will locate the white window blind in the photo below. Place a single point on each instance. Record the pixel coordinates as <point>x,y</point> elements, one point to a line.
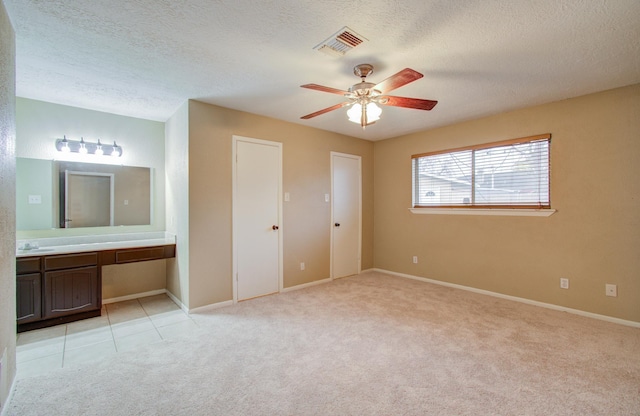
<point>509,174</point>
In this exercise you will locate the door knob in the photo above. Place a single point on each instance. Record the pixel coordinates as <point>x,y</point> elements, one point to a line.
<point>275,227</point>
<point>337,224</point>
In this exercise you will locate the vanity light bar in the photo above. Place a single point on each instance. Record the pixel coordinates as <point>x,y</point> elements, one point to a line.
<point>81,146</point>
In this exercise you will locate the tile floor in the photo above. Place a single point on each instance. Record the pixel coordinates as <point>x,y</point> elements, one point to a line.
<point>123,326</point>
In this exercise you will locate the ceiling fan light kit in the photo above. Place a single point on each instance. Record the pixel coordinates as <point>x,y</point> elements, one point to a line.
<point>364,96</point>
<point>364,115</point>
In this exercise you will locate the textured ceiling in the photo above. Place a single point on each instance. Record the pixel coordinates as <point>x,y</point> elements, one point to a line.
<point>145,58</point>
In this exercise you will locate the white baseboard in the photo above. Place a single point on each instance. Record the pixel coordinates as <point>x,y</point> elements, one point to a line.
<point>304,285</point>
<point>516,299</point>
<point>231,302</point>
<point>134,296</point>
<point>177,302</point>
<point>206,308</point>
<point>201,308</point>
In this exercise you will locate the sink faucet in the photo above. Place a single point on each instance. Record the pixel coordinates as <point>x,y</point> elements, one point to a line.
<point>29,246</point>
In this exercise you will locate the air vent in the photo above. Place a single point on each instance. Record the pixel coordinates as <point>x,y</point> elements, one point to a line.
<point>340,42</point>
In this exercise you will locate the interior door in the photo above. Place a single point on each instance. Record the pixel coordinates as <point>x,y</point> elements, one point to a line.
<point>257,217</point>
<point>88,199</point>
<point>346,214</point>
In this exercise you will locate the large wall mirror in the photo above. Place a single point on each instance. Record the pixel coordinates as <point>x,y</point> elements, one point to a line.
<point>59,194</point>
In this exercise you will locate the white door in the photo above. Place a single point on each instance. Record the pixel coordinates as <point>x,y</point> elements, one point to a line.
<point>88,199</point>
<point>257,211</point>
<point>346,217</point>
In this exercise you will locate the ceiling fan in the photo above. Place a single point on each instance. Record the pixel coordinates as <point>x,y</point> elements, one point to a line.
<point>363,96</point>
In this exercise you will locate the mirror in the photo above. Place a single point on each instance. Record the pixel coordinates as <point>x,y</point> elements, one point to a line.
<point>59,194</point>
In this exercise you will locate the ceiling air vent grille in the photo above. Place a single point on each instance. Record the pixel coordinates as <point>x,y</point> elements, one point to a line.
<point>340,42</point>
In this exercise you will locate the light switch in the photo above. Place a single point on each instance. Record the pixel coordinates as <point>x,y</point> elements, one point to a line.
<point>287,197</point>
<point>326,197</point>
<point>35,199</point>
<point>126,202</point>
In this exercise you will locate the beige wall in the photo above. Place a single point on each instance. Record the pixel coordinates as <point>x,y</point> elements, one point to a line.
<point>7,207</point>
<point>306,176</point>
<point>120,280</point>
<point>592,239</point>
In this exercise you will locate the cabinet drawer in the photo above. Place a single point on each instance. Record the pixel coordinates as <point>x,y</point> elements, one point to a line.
<point>28,265</point>
<point>139,254</point>
<point>130,255</point>
<point>67,261</point>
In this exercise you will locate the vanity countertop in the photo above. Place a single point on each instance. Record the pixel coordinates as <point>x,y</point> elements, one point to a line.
<point>79,244</point>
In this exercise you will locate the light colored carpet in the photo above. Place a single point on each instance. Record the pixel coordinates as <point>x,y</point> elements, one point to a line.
<point>367,345</point>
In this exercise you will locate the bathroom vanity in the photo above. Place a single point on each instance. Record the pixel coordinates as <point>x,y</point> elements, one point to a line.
<point>59,280</point>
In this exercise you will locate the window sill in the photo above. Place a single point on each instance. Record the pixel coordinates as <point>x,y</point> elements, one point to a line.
<point>514,212</point>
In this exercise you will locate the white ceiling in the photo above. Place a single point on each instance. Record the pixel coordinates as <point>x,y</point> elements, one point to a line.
<point>145,58</point>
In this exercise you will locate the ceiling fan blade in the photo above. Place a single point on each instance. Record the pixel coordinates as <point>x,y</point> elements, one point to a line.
<point>324,89</point>
<point>325,110</point>
<point>405,102</point>
<point>403,77</point>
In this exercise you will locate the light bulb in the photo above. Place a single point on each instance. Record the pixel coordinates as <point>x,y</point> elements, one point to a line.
<point>116,150</point>
<point>65,145</point>
<point>99,150</point>
<point>373,112</point>
<point>355,113</point>
<point>83,148</point>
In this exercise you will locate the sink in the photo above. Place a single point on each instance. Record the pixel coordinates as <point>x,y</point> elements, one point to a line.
<point>35,250</point>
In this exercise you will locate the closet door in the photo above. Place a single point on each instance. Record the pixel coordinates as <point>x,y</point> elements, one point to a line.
<point>257,217</point>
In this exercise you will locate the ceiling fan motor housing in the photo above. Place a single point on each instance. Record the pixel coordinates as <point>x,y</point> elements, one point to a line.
<point>364,88</point>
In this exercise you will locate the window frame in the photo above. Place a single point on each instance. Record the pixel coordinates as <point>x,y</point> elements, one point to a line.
<point>482,208</point>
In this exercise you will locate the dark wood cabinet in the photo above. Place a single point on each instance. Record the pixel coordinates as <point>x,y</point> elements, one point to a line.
<point>70,291</point>
<point>28,298</point>
<point>61,288</point>
<point>57,289</point>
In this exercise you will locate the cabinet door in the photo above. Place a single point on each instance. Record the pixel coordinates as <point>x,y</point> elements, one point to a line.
<point>70,291</point>
<point>29,298</point>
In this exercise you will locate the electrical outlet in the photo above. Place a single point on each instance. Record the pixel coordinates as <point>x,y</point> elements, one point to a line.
<point>611,290</point>
<point>302,266</point>
<point>35,199</point>
<point>564,283</point>
<point>415,259</point>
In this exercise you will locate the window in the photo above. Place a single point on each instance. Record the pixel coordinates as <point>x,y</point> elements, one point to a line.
<point>508,174</point>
